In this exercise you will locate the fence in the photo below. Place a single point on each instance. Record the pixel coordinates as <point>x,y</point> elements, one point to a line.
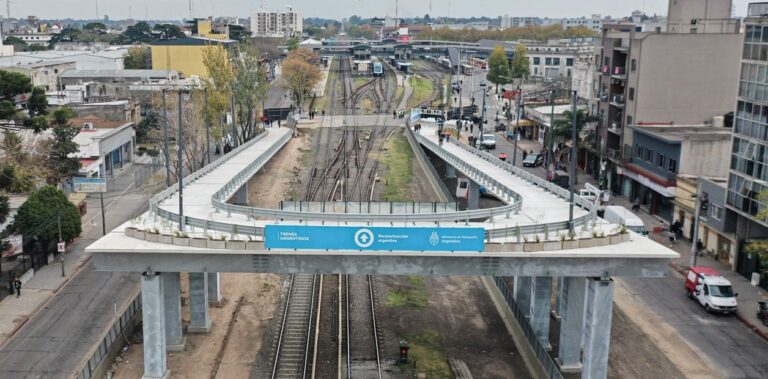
<point>550,368</point>
<point>369,207</point>
<point>113,336</point>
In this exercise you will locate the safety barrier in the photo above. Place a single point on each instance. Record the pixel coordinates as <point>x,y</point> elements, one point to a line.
<point>432,176</point>
<point>370,207</point>
<point>550,368</point>
<point>106,345</point>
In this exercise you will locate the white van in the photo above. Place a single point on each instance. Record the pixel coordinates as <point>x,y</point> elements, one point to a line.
<point>616,214</point>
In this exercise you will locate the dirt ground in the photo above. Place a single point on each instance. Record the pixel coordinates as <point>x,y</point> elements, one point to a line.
<point>442,318</point>
<point>277,180</point>
<point>205,355</point>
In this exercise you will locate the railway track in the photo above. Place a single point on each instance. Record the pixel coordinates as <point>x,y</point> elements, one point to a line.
<point>292,359</point>
<point>362,344</point>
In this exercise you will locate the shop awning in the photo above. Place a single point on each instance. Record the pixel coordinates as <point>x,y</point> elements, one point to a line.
<point>523,123</point>
<point>655,183</point>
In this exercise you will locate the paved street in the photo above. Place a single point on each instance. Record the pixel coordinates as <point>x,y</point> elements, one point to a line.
<point>724,341</point>
<point>55,340</point>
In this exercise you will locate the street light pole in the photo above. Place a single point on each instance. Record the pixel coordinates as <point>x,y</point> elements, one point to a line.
<point>697,215</point>
<point>482,118</point>
<point>572,175</point>
<point>548,135</point>
<point>517,125</point>
<point>165,143</point>
<point>58,221</point>
<point>180,165</point>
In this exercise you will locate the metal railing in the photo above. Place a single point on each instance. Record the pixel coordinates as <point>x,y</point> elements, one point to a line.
<point>547,363</point>
<point>369,207</point>
<point>422,157</point>
<point>112,337</point>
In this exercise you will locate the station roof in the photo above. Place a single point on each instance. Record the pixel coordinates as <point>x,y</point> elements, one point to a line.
<point>192,41</point>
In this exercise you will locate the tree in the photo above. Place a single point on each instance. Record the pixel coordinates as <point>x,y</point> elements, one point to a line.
<point>152,121</point>
<point>562,129</point>
<point>65,35</point>
<point>498,67</point>
<point>238,32</point>
<point>18,43</point>
<point>139,33</point>
<point>250,90</point>
<point>36,47</point>
<point>137,58</point>
<point>293,44</point>
<point>37,103</point>
<point>300,73</point>
<point>12,84</point>
<point>60,163</point>
<point>168,31</point>
<point>5,209</point>
<point>218,83</point>
<point>38,217</point>
<point>95,27</point>
<point>520,67</point>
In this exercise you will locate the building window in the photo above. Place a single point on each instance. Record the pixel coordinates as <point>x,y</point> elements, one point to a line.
<point>631,94</point>
<point>556,61</point>
<point>639,152</point>
<point>548,61</point>
<point>536,61</point>
<point>647,155</point>
<point>633,64</point>
<point>715,211</point>
<point>660,158</point>
<point>672,166</point>
<point>569,61</point>
<point>629,120</point>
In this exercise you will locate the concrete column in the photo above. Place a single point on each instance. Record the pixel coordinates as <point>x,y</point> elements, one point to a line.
<point>240,197</point>
<point>200,321</point>
<point>473,196</point>
<point>571,324</point>
<point>450,171</point>
<point>597,333</point>
<point>214,289</point>
<point>172,293</point>
<point>153,320</point>
<point>541,298</point>
<point>558,311</point>
<point>522,294</point>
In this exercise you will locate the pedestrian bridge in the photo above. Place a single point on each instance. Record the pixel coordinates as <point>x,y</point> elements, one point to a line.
<point>525,238</point>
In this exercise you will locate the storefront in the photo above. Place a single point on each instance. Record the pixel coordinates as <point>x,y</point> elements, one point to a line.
<point>656,194</point>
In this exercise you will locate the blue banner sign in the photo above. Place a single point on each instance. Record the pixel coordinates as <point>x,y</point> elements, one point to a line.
<point>373,238</point>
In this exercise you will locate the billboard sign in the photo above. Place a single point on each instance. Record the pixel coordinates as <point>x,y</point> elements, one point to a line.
<point>89,185</point>
<point>303,237</point>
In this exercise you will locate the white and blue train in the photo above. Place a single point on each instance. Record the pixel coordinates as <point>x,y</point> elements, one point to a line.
<point>378,69</point>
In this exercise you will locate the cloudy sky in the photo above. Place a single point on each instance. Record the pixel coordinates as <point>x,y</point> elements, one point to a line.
<point>177,9</point>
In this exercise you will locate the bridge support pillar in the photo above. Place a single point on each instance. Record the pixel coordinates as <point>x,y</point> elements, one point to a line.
<point>172,293</point>
<point>153,321</point>
<point>541,298</point>
<point>522,294</point>
<point>240,196</point>
<point>572,300</point>
<point>558,311</point>
<point>597,333</point>
<point>450,171</point>
<point>199,319</point>
<point>214,288</point>
<point>473,195</point>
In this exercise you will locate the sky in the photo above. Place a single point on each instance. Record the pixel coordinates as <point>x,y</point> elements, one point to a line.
<point>178,9</point>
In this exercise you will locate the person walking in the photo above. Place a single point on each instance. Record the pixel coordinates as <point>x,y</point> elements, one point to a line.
<point>636,204</point>
<point>17,287</point>
<point>525,154</point>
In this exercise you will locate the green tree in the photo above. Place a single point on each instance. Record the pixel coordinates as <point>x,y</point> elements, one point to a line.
<point>218,83</point>
<point>301,73</point>
<point>238,32</point>
<point>17,43</point>
<point>168,31</point>
<point>139,33</point>
<point>37,103</point>
<point>498,67</point>
<point>137,58</point>
<point>250,90</point>
<point>66,35</point>
<point>5,209</point>
<point>7,109</point>
<point>60,164</point>
<point>38,216</point>
<point>12,84</point>
<point>293,44</point>
<point>563,129</point>
<point>95,27</point>
<point>152,121</point>
<point>37,47</point>
<point>520,66</point>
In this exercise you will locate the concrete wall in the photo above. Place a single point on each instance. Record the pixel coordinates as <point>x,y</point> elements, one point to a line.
<point>687,10</point>
<point>44,76</point>
<point>685,78</point>
<point>705,157</point>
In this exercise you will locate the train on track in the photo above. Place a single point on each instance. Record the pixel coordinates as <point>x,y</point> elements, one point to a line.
<point>378,69</point>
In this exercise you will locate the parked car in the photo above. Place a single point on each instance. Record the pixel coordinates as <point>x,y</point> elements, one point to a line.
<point>533,160</point>
<point>488,141</point>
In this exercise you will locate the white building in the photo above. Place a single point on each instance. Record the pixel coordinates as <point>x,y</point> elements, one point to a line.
<point>595,22</point>
<point>289,22</point>
<point>583,80</point>
<point>33,38</point>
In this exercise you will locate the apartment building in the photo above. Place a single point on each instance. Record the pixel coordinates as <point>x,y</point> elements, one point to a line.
<point>287,23</point>
<point>594,22</point>
<point>686,77</point>
<point>748,176</point>
<point>518,22</point>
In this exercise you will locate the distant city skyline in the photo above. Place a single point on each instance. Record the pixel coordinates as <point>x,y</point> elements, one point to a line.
<point>337,9</point>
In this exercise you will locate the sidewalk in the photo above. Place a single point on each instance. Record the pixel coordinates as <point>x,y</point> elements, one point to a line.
<point>748,294</point>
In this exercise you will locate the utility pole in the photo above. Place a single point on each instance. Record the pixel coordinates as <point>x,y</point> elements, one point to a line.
<point>190,10</point>
<point>97,9</point>
<point>58,221</point>
<point>517,123</point>
<point>234,125</point>
<point>572,175</point>
<point>548,136</point>
<point>207,129</point>
<point>180,166</point>
<point>165,144</point>
<point>696,219</point>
